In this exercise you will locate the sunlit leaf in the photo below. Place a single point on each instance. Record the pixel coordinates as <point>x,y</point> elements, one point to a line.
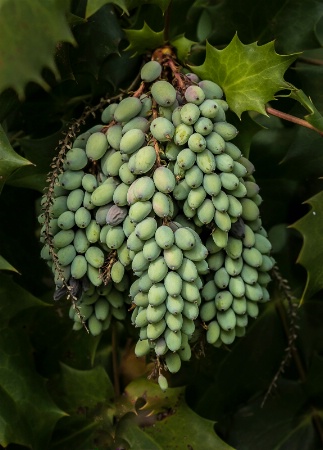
<point>141,41</point>
<point>314,117</point>
<point>250,75</point>
<point>183,47</point>
<point>5,265</point>
<point>168,421</point>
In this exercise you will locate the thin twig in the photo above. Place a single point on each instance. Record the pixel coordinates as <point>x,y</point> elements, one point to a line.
<point>114,337</point>
<point>290,118</point>
<point>290,330</point>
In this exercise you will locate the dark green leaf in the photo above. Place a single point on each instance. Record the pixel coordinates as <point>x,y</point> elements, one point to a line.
<point>310,257</point>
<point>290,22</point>
<point>40,152</point>
<point>24,54</point>
<point>88,389</point>
<point>27,411</point>
<point>141,41</point>
<point>230,375</point>
<point>285,422</point>
<point>10,161</point>
<point>250,75</point>
<point>98,38</point>
<point>163,4</point>
<point>8,103</point>
<point>87,396</point>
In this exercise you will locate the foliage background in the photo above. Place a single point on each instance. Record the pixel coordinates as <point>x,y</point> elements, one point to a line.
<point>57,387</point>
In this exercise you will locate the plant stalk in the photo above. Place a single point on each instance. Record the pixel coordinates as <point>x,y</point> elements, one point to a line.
<point>290,118</point>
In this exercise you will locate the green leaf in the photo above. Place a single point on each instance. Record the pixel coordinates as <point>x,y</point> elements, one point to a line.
<point>24,54</point>
<point>141,41</point>
<point>28,414</point>
<point>259,352</point>
<point>290,23</point>
<point>40,152</point>
<point>4,265</point>
<point>10,161</point>
<point>168,421</point>
<point>311,254</point>
<point>87,396</point>
<point>163,4</point>
<point>97,39</point>
<point>93,6</point>
<point>183,47</point>
<point>285,422</point>
<point>314,117</point>
<point>89,389</point>
<point>250,75</point>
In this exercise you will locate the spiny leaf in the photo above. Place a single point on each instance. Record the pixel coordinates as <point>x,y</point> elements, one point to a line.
<point>10,161</point>
<point>94,5</point>
<point>28,414</point>
<point>177,426</point>
<point>250,75</point>
<point>24,54</point>
<point>141,41</point>
<point>5,265</point>
<point>311,254</point>
<point>183,47</point>
<point>314,117</point>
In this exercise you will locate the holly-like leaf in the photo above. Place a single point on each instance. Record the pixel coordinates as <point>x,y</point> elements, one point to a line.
<point>250,75</point>
<point>168,421</point>
<point>93,6</point>
<point>87,396</point>
<point>5,265</point>
<point>183,47</point>
<point>311,254</point>
<point>24,54</point>
<point>28,414</point>
<point>10,161</point>
<point>314,117</point>
<point>40,152</point>
<point>97,39</point>
<point>141,41</point>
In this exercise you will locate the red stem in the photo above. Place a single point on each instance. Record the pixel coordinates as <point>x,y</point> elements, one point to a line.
<point>290,118</point>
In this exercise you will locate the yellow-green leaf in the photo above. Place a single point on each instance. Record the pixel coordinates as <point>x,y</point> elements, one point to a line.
<point>314,117</point>
<point>250,75</point>
<point>183,47</point>
<point>169,424</point>
<point>10,161</point>
<point>311,254</point>
<point>5,265</point>
<point>141,41</point>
